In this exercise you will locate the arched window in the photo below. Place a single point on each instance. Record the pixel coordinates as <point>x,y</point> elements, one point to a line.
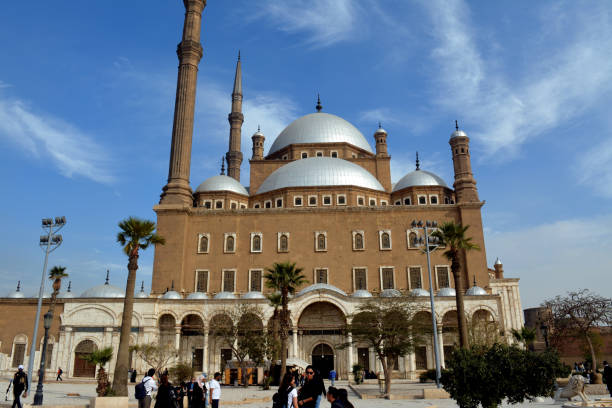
<point>229,244</point>
<point>358,241</point>
<point>412,240</point>
<point>321,242</point>
<point>283,244</point>
<point>256,244</point>
<point>203,245</point>
<point>385,240</point>
<point>19,349</point>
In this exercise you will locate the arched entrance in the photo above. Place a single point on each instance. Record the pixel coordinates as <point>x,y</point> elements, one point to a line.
<point>323,359</point>
<point>83,368</point>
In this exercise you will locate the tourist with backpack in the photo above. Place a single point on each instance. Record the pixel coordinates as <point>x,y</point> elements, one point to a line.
<point>144,389</point>
<point>287,396</point>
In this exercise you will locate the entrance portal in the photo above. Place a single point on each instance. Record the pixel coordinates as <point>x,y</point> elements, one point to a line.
<point>323,359</point>
<point>82,367</point>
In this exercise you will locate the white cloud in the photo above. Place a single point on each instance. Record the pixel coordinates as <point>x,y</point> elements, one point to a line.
<point>594,168</point>
<point>72,151</point>
<point>554,258</point>
<point>325,22</point>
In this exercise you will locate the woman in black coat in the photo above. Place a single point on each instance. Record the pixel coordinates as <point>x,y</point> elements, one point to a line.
<point>166,397</point>
<point>197,394</point>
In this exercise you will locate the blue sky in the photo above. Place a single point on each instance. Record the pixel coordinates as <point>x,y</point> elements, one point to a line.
<point>87,94</point>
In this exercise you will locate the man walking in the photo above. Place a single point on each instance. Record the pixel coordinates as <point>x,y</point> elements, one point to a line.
<point>332,377</point>
<point>150,386</point>
<point>59,374</point>
<point>20,384</point>
<point>607,376</point>
<point>215,390</point>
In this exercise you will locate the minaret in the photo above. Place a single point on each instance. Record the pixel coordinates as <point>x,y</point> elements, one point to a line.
<point>234,155</point>
<point>499,269</point>
<point>189,52</point>
<point>381,141</point>
<point>258,139</point>
<point>465,185</point>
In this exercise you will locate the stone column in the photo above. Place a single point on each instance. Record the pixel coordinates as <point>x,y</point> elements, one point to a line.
<point>205,351</point>
<point>177,338</point>
<point>295,342</point>
<point>349,340</point>
<point>441,346</point>
<point>189,52</point>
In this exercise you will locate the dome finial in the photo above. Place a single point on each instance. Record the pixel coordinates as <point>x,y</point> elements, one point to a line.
<point>69,287</point>
<point>222,166</point>
<point>456,125</point>
<point>474,279</point>
<point>258,128</point>
<point>318,107</point>
<point>142,287</point>
<point>107,277</point>
<point>172,285</point>
<point>239,55</point>
<point>18,286</point>
<point>418,163</point>
<point>379,125</point>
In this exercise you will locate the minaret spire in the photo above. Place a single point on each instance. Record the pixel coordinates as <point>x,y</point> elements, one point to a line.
<point>235,118</point>
<point>318,107</point>
<point>418,164</point>
<point>18,286</point>
<point>69,286</point>
<point>223,166</point>
<point>107,277</point>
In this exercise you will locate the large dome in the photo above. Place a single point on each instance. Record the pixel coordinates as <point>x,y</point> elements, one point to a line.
<point>320,172</point>
<point>419,178</point>
<point>103,291</point>
<point>221,183</point>
<point>320,128</point>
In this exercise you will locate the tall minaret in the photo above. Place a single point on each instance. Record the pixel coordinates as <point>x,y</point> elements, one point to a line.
<point>189,52</point>
<point>465,185</point>
<point>234,155</point>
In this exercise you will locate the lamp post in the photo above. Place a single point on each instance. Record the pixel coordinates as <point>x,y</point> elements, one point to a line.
<point>38,397</point>
<point>49,242</point>
<point>430,242</point>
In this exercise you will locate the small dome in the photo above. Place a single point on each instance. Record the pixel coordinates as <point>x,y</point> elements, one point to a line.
<point>258,133</point>
<point>320,286</point>
<point>476,291</point>
<point>171,294</point>
<point>320,128</point>
<point>320,172</point>
<point>103,291</point>
<point>498,261</point>
<point>419,292</point>
<point>458,133</point>
<point>419,178</point>
<point>390,293</point>
<point>222,183</point>
<point>16,294</point>
<point>141,295</point>
<point>225,295</point>
<point>253,295</point>
<point>380,130</point>
<point>68,294</point>
<point>197,295</point>
<point>361,293</point>
<point>447,292</point>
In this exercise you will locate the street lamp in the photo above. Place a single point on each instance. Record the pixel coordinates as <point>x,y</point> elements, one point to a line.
<point>38,397</point>
<point>431,243</point>
<point>49,242</point>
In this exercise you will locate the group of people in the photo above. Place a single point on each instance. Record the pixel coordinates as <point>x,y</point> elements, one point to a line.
<point>199,392</point>
<point>310,393</point>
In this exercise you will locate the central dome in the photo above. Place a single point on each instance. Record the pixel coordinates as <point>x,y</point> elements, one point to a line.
<point>319,172</point>
<point>320,128</point>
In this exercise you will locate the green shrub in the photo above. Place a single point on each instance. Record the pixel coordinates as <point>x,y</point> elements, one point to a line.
<point>429,375</point>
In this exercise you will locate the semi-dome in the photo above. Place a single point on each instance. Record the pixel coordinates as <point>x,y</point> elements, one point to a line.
<point>103,291</point>
<point>222,183</point>
<point>419,292</point>
<point>16,294</point>
<point>197,295</point>
<point>253,295</point>
<point>476,291</point>
<point>321,286</point>
<point>171,294</point>
<point>361,293</point>
<point>447,292</point>
<point>320,172</point>
<point>320,127</point>
<point>225,295</point>
<point>390,293</point>
<point>419,178</point>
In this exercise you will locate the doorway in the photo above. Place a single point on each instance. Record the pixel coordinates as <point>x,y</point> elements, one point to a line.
<point>363,358</point>
<point>82,367</point>
<point>323,359</point>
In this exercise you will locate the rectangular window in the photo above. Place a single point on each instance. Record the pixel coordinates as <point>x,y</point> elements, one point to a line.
<point>233,205</point>
<point>414,277</point>
<point>442,276</point>
<point>372,202</point>
<point>257,205</point>
<point>219,204</point>
<point>229,280</point>
<point>341,199</point>
<point>268,204</point>
<point>383,202</point>
<point>321,275</point>
<point>255,285</point>
<point>319,154</point>
<point>49,355</point>
<point>433,199</point>
<point>297,201</point>
<point>207,204</point>
<point>407,201</point>
<point>388,282</point>
<point>202,281</point>
<point>360,200</point>
<point>279,203</point>
<point>226,355</point>
<point>422,200</point>
<point>334,154</point>
<point>327,200</point>
<point>312,200</point>
<point>18,354</point>
<point>304,155</point>
<point>360,278</point>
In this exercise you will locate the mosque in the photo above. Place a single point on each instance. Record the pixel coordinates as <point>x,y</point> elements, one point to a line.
<point>322,196</point>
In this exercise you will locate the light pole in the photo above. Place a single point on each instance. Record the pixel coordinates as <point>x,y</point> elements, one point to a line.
<point>433,242</point>
<point>49,242</point>
<point>38,397</point>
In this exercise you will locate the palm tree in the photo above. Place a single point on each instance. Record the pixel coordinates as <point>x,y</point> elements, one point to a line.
<point>452,236</point>
<point>276,301</point>
<point>100,358</point>
<point>286,278</point>
<point>525,335</point>
<point>56,274</point>
<point>135,234</point>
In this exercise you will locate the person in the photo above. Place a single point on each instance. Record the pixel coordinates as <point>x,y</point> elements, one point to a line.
<point>215,390</point>
<point>333,396</point>
<point>133,377</point>
<point>343,397</point>
<point>332,377</point>
<point>20,385</point>
<point>307,396</point>
<point>165,394</point>
<point>287,388</point>
<point>320,386</point>
<point>59,374</point>
<point>190,386</point>
<point>150,386</point>
<point>198,392</point>
<point>607,376</point>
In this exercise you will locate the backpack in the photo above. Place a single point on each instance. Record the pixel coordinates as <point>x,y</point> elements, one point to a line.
<point>279,399</point>
<point>140,392</point>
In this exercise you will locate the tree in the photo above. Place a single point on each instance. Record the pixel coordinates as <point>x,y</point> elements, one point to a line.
<point>100,358</point>
<point>157,356</point>
<point>525,336</point>
<point>181,372</point>
<point>135,234</point>
<point>452,236</point>
<point>276,301</point>
<point>285,278</point>
<point>56,274</point>
<point>390,327</point>
<point>575,316</point>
